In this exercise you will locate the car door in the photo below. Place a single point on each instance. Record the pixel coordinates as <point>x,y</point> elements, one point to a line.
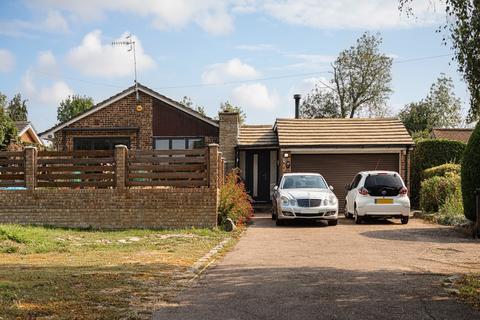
<point>352,193</point>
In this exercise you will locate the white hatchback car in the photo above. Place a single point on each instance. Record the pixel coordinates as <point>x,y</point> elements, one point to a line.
<point>380,194</point>
<point>304,196</point>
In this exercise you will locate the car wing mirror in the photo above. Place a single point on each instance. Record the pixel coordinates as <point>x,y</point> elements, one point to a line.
<point>275,188</point>
<point>330,187</point>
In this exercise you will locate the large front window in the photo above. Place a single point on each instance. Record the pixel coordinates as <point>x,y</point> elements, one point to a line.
<point>178,143</point>
<point>99,143</point>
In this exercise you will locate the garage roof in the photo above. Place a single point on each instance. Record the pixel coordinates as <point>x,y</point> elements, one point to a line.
<point>458,134</point>
<point>342,132</point>
<point>257,135</point>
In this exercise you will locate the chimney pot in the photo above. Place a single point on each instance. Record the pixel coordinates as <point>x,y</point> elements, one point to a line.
<point>297,98</point>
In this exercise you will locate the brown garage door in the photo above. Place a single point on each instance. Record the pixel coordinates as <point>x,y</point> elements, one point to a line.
<point>340,169</point>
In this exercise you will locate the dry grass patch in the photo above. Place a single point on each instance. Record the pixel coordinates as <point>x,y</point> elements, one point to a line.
<point>48,273</point>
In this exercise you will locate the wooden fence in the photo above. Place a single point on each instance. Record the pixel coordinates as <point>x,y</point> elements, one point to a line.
<point>181,168</point>
<point>12,169</point>
<point>75,169</point>
<point>119,168</point>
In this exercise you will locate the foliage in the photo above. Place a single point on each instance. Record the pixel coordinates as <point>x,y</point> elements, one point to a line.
<point>429,153</point>
<point>451,212</point>
<point>187,102</point>
<point>441,171</point>
<point>8,131</point>
<point>360,84</point>
<point>463,30</point>
<point>435,190</point>
<point>73,106</point>
<point>420,135</point>
<point>234,201</point>
<point>228,107</point>
<point>471,173</point>
<point>17,108</point>
<point>441,108</point>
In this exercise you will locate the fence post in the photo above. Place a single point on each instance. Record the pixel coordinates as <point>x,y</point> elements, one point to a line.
<point>121,154</point>
<point>213,165</point>
<point>30,167</point>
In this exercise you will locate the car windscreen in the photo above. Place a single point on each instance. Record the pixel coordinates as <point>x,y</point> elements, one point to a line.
<point>383,184</point>
<point>304,182</point>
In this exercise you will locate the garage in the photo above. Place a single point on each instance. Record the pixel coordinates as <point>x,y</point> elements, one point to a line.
<point>340,169</point>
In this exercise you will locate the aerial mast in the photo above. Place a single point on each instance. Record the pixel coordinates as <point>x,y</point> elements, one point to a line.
<point>131,48</point>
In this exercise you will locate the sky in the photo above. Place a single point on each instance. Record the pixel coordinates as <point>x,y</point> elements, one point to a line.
<point>253,53</point>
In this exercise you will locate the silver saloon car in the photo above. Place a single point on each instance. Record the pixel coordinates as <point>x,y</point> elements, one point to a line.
<point>304,196</point>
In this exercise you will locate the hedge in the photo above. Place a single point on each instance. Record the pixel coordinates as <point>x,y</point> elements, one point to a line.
<point>434,191</point>
<point>471,173</point>
<point>430,153</point>
<point>441,170</point>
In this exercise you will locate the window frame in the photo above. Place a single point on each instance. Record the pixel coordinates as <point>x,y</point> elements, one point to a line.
<point>75,141</point>
<point>171,138</point>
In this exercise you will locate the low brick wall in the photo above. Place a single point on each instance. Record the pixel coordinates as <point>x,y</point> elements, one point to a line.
<point>111,208</point>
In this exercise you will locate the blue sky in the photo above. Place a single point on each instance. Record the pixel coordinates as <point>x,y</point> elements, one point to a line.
<point>210,50</point>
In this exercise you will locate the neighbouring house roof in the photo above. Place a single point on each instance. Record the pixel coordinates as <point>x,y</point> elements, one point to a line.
<point>458,134</point>
<point>257,135</point>
<point>120,96</point>
<point>24,127</point>
<point>342,132</point>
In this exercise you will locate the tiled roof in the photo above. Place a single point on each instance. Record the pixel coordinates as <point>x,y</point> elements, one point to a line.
<point>458,134</point>
<point>257,135</point>
<point>342,132</point>
<point>21,125</point>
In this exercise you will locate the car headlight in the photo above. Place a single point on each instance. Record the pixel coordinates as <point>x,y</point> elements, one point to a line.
<point>285,201</point>
<point>293,202</point>
<point>332,200</point>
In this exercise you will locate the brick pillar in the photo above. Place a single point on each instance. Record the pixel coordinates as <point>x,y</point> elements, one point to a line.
<point>30,167</point>
<point>213,170</point>
<point>229,127</point>
<point>285,162</point>
<point>121,153</point>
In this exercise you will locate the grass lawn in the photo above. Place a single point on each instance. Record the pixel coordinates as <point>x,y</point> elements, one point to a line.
<point>56,273</point>
<point>469,287</point>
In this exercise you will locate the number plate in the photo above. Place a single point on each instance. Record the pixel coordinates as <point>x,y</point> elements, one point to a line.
<point>384,201</point>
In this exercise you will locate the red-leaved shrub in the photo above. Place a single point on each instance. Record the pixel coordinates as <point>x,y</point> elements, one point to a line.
<point>234,201</point>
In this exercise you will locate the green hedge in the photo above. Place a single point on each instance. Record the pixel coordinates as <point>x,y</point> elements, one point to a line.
<point>471,173</point>
<point>434,191</point>
<point>441,170</point>
<point>430,153</point>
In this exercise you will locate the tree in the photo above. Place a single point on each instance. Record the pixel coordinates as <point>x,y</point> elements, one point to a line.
<point>8,131</point>
<point>17,108</point>
<point>471,173</point>
<point>228,107</point>
<point>187,102</point>
<point>441,108</point>
<point>73,106</point>
<point>360,83</point>
<point>463,31</point>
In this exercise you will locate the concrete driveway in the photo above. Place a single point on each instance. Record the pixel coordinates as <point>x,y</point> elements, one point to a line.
<point>381,270</point>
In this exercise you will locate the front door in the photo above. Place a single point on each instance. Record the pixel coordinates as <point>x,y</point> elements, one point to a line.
<point>257,167</point>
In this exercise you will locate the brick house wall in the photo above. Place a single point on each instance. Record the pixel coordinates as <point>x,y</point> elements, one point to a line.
<point>119,114</point>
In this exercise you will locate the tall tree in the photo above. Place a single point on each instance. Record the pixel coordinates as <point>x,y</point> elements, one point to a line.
<point>228,107</point>
<point>360,83</point>
<point>441,108</point>
<point>187,102</point>
<point>8,131</point>
<point>73,106</point>
<point>17,108</point>
<point>462,30</point>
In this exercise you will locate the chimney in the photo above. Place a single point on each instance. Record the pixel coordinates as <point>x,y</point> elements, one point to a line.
<point>297,97</point>
<point>229,128</point>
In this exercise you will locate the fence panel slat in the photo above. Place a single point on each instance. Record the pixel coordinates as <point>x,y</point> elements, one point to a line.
<point>12,171</point>
<point>168,183</point>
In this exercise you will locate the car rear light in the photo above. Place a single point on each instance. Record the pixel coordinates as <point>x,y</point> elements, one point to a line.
<point>363,191</point>
<point>403,191</point>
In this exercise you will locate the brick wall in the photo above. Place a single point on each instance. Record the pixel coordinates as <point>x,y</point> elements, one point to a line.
<point>111,208</point>
<point>228,136</point>
<point>121,113</point>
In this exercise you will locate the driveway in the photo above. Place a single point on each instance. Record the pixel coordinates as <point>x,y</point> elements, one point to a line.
<point>381,270</point>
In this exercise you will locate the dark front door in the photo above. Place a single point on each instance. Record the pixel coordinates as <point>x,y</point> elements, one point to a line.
<point>257,175</point>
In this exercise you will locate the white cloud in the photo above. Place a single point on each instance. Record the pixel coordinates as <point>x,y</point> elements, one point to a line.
<point>306,85</point>
<point>256,47</point>
<point>7,61</point>
<point>351,14</point>
<point>211,15</point>
<point>53,22</point>
<point>233,69</point>
<point>46,60</point>
<point>94,58</point>
<point>255,95</point>
<point>48,94</point>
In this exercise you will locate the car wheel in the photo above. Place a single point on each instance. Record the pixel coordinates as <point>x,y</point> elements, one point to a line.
<point>346,213</point>
<point>274,213</point>
<point>279,222</point>
<point>332,222</point>
<point>358,219</point>
<point>404,220</point>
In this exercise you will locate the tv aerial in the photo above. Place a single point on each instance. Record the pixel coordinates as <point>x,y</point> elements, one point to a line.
<point>130,43</point>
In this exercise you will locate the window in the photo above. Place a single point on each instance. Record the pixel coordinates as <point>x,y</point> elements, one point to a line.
<point>178,143</point>
<point>356,181</point>
<point>99,143</point>
<point>383,184</point>
<point>304,182</point>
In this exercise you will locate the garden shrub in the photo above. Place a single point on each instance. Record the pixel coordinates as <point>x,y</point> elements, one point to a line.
<point>441,170</point>
<point>434,191</point>
<point>429,153</point>
<point>234,201</point>
<point>451,211</point>
<point>471,173</point>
